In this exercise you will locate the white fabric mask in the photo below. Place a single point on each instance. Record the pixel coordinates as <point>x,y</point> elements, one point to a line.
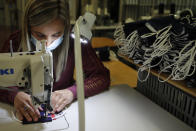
<point>51,47</point>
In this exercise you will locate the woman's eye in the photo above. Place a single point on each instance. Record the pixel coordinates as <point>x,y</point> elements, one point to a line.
<point>40,36</point>
<point>56,35</point>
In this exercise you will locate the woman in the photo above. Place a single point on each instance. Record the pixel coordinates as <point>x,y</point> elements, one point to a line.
<point>49,20</point>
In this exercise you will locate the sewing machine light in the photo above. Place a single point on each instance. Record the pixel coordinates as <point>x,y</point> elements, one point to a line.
<point>85,24</point>
<point>82,40</point>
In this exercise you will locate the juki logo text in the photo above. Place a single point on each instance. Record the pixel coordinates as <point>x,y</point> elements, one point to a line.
<point>7,71</point>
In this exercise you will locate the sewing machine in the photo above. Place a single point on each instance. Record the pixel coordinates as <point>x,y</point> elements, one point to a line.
<point>32,72</point>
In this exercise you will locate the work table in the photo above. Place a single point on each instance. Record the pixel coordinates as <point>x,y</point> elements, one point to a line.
<point>119,108</point>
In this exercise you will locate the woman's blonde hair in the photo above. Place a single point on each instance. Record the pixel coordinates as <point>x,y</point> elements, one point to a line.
<point>38,12</point>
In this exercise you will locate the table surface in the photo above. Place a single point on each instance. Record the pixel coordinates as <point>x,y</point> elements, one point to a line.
<point>120,108</point>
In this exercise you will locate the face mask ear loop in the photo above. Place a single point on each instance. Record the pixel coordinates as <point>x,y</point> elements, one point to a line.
<point>134,43</point>
<point>185,61</point>
<point>169,77</point>
<point>130,44</point>
<point>126,46</point>
<point>141,69</point>
<point>162,43</point>
<point>119,35</point>
<point>160,46</point>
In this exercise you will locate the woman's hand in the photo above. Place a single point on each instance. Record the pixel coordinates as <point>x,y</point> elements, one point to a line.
<point>60,99</point>
<point>24,107</point>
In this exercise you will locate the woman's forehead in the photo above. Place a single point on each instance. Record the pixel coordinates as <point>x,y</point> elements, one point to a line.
<point>52,27</point>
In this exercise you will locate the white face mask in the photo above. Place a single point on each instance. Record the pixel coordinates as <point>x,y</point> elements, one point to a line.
<point>51,47</point>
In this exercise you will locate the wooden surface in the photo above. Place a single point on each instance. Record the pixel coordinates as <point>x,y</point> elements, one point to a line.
<point>98,42</point>
<point>120,73</point>
<point>179,84</point>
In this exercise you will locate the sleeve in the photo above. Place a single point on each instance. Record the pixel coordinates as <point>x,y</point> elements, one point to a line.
<point>5,95</point>
<point>8,96</point>
<point>97,77</point>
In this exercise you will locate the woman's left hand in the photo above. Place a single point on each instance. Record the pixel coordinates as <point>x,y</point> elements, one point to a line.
<point>61,98</point>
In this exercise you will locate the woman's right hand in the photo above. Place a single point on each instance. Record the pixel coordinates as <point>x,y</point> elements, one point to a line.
<point>24,107</point>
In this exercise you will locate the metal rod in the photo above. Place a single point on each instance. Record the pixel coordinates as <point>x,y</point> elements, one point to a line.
<point>79,76</point>
<point>11,48</point>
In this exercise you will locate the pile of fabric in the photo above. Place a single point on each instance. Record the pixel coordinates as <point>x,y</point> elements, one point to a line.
<point>166,44</point>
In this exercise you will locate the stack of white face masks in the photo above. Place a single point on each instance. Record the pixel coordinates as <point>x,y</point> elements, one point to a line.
<point>51,47</point>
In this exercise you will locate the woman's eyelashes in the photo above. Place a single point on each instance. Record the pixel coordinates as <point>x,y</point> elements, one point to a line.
<point>57,34</point>
<point>40,36</point>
